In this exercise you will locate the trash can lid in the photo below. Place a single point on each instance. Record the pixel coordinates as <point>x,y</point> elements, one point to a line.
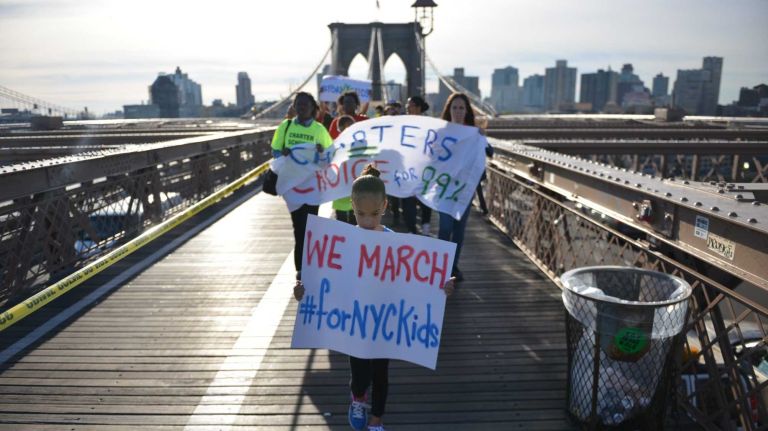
<point>582,282</point>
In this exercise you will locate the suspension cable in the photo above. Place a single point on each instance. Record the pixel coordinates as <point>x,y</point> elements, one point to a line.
<point>454,86</point>
<point>293,93</point>
<point>29,100</point>
<point>475,101</point>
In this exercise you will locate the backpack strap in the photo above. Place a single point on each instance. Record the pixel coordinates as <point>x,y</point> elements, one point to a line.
<point>285,133</point>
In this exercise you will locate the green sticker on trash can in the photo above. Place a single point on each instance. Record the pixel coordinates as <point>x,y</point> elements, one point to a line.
<point>630,340</point>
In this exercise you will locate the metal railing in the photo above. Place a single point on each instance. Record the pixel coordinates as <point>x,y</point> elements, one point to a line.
<point>694,166</point>
<point>696,151</point>
<point>59,214</point>
<point>717,383</point>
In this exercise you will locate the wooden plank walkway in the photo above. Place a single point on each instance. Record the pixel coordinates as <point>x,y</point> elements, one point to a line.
<point>172,348</point>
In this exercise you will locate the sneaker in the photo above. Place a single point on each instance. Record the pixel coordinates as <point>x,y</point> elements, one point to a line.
<point>425,229</point>
<point>376,428</point>
<point>358,414</point>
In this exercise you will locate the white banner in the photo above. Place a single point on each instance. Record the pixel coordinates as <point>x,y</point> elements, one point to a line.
<point>438,162</point>
<point>372,294</point>
<point>333,86</point>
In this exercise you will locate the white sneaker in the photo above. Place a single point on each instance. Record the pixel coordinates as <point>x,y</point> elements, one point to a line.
<point>425,229</point>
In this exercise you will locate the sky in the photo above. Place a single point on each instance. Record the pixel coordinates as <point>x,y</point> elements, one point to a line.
<point>105,53</point>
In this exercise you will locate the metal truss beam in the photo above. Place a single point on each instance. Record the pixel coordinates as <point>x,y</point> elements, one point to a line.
<point>723,224</point>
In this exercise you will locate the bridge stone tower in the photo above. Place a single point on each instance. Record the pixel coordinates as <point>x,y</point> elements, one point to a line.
<point>377,42</point>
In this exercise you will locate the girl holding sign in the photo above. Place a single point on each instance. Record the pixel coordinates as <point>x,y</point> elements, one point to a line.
<point>369,202</point>
<point>300,130</point>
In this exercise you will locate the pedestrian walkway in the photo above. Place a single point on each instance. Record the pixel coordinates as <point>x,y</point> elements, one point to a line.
<point>200,340</point>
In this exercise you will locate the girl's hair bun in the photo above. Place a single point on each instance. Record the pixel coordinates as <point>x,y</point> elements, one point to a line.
<point>369,169</point>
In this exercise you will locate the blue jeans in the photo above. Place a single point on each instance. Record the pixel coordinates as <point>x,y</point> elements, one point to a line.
<point>453,230</point>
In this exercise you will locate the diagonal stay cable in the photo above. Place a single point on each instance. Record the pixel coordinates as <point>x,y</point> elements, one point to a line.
<point>290,96</point>
<point>454,86</point>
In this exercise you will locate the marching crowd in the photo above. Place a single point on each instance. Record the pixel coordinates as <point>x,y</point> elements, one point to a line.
<point>308,121</point>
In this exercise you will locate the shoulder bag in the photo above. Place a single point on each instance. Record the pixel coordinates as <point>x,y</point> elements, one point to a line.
<point>270,177</point>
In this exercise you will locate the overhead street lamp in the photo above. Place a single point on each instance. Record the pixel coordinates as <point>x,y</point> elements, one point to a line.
<point>423,14</point>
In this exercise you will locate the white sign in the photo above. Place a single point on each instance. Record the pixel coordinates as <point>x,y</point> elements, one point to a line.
<point>438,162</point>
<point>701,229</point>
<point>372,294</point>
<point>721,246</point>
<point>332,86</point>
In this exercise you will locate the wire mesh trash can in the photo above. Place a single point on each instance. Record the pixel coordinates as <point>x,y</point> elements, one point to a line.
<point>622,324</point>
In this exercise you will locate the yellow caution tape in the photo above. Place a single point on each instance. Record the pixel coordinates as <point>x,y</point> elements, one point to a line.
<point>37,301</point>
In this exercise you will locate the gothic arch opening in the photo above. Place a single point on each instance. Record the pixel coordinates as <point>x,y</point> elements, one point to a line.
<point>358,68</point>
<point>396,74</point>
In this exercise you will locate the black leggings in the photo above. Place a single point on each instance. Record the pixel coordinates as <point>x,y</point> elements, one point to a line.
<point>426,213</point>
<point>365,372</point>
<point>409,213</point>
<point>299,219</point>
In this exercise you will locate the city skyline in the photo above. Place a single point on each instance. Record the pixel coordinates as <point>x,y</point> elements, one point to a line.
<point>128,45</point>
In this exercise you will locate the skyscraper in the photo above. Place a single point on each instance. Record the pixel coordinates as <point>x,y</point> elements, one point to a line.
<point>660,85</point>
<point>243,90</point>
<point>711,95</point>
<point>533,92</point>
<point>190,91</point>
<point>504,77</point>
<point>165,94</point>
<point>190,96</point>
<point>661,90</point>
<point>689,90</point>
<point>598,88</point>
<point>559,85</point>
<point>505,90</point>
<point>628,83</point>
<point>470,83</point>
<point>697,91</point>
<point>751,97</point>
